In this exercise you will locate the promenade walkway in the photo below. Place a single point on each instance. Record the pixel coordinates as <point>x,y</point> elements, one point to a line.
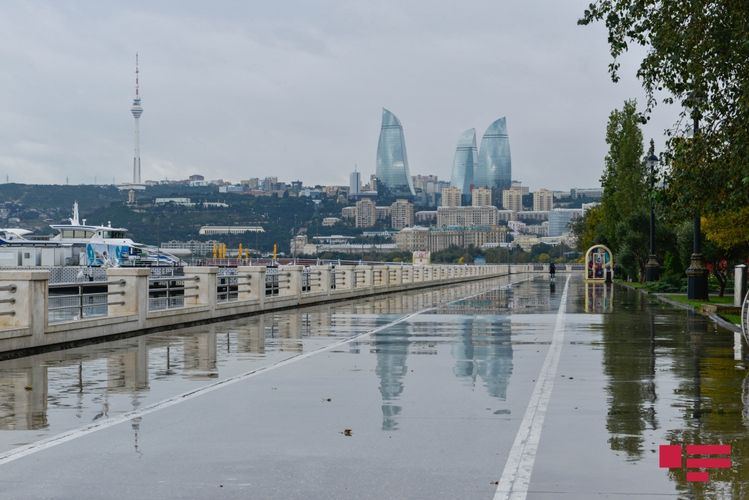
<point>506,388</point>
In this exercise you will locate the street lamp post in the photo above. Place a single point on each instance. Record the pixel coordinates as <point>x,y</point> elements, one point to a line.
<point>652,267</point>
<point>696,272</point>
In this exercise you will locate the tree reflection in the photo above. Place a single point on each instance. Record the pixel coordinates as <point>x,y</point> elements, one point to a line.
<point>710,397</point>
<point>629,345</point>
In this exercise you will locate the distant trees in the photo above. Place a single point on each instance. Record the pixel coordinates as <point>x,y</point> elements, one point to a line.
<point>697,57</point>
<point>620,222</point>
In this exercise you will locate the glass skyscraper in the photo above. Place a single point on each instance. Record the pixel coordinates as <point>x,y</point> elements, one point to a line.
<point>465,162</point>
<point>392,160</point>
<point>495,166</point>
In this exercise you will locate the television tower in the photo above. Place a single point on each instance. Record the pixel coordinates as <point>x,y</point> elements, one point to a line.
<point>136,110</point>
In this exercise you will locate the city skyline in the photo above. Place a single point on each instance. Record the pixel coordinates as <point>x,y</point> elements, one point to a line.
<point>294,89</point>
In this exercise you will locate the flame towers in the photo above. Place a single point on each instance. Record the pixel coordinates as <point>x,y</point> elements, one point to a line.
<point>465,162</point>
<point>136,110</point>
<point>494,166</point>
<point>392,160</point>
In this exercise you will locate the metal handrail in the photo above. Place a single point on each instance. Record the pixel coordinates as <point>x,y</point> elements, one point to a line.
<point>71,284</point>
<point>174,278</point>
<point>78,306</point>
<point>745,318</point>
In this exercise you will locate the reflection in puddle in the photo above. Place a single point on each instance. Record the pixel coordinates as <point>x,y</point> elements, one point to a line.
<point>102,380</point>
<point>391,347</point>
<point>484,350</point>
<point>599,297</point>
<point>23,398</point>
<point>672,378</point>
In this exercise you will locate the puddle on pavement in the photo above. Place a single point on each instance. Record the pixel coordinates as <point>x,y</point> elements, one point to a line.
<point>670,376</point>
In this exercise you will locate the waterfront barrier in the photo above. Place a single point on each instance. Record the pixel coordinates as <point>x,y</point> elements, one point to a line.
<point>36,315</point>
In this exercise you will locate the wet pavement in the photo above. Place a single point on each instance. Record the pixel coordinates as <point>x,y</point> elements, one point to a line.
<point>424,394</point>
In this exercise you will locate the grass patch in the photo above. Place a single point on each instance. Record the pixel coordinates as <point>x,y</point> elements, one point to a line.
<point>697,303</point>
<point>732,318</point>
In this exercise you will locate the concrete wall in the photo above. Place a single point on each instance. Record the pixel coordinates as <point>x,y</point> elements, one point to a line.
<point>24,296</point>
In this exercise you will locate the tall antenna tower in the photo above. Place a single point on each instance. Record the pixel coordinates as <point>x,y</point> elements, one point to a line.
<point>136,110</point>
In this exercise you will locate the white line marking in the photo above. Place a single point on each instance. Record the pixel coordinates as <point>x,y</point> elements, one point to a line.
<point>63,437</point>
<point>516,476</point>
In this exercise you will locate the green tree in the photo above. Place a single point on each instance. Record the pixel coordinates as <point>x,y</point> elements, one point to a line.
<point>624,178</point>
<point>697,56</point>
<point>590,229</point>
<point>619,223</point>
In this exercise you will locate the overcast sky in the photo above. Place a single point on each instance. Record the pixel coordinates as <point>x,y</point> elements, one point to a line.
<point>240,89</point>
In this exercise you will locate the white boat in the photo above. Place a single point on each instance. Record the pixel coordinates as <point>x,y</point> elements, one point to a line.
<point>89,245</point>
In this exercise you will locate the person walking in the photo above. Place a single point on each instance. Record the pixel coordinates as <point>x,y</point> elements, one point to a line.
<point>552,271</point>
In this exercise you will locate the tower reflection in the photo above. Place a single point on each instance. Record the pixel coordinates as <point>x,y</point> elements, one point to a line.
<point>391,347</point>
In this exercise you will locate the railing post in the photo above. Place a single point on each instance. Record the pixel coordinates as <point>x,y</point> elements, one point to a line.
<point>205,294</point>
<point>418,274</point>
<point>739,285</point>
<point>368,275</point>
<point>28,308</point>
<point>135,287</point>
<point>295,280</point>
<point>398,278</point>
<point>349,277</point>
<point>407,276</point>
<point>384,276</point>
<point>323,282</point>
<point>254,286</point>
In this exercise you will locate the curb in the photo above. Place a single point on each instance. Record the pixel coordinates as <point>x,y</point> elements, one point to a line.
<point>663,298</point>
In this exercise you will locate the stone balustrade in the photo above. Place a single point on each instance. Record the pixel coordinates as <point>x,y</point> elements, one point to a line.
<point>193,298</point>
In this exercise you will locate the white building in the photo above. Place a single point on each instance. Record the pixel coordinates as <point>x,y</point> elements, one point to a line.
<point>467,216</point>
<point>209,230</point>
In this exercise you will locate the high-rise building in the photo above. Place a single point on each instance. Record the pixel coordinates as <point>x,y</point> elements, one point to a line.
<point>465,161</point>
<point>543,199</point>
<point>481,197</point>
<point>136,110</point>
<point>494,168</point>
<point>560,219</point>
<point>512,199</point>
<point>366,214</point>
<point>401,214</point>
<point>392,160</point>
<point>354,184</point>
<point>451,197</point>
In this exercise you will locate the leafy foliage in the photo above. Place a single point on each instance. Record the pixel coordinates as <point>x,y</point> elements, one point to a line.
<point>698,56</point>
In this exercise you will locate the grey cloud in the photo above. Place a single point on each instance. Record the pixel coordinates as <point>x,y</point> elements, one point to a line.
<point>294,89</point>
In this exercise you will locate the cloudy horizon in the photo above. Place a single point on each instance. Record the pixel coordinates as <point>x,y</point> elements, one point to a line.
<point>238,90</point>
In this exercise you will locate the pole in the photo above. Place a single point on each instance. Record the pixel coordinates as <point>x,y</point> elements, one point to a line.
<point>697,272</point>
<point>652,267</point>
